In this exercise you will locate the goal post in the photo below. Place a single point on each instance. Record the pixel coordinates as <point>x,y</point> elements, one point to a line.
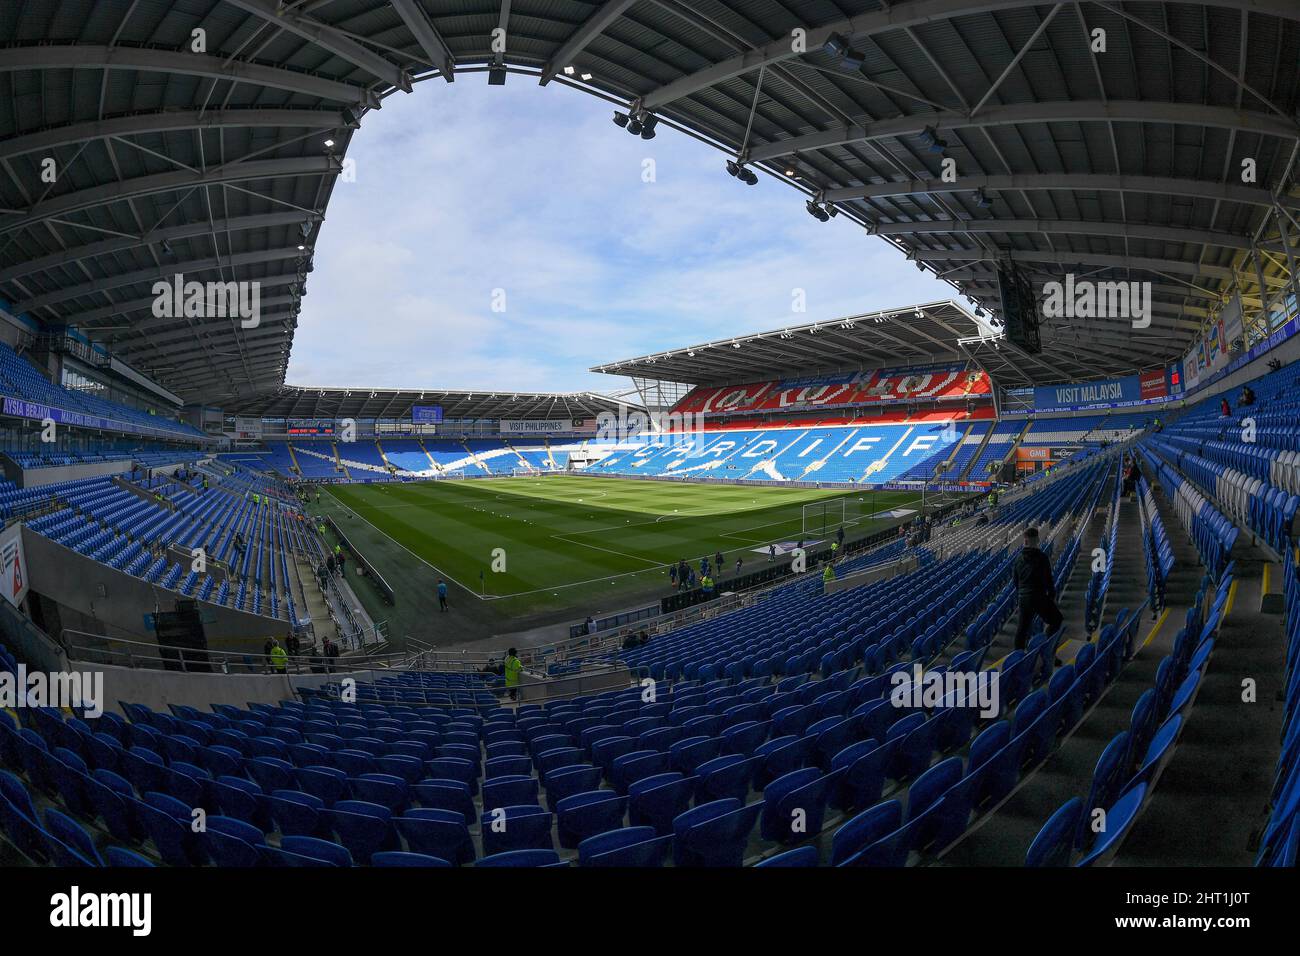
<point>821,519</point>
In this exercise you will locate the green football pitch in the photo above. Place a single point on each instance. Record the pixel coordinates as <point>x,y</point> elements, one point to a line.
<point>530,542</point>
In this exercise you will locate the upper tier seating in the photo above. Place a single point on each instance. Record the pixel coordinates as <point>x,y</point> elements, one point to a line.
<point>830,393</point>
<point>1243,469</point>
<point>20,379</point>
<point>847,453</point>
<point>999,444</point>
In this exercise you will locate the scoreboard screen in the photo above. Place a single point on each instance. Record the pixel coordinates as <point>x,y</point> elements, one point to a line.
<point>426,414</point>
<point>308,428</point>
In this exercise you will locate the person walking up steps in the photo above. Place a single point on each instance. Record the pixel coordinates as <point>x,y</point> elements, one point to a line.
<point>1035,590</point>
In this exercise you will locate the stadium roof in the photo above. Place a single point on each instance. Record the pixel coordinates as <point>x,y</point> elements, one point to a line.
<point>920,334</point>
<point>1125,163</point>
<point>363,403</point>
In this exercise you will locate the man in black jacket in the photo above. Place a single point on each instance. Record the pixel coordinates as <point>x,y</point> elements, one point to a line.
<point>1035,590</point>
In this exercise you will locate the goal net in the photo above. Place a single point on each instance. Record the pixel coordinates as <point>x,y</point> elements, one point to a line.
<point>821,519</point>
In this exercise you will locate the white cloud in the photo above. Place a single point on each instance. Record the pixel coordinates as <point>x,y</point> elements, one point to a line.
<point>464,190</point>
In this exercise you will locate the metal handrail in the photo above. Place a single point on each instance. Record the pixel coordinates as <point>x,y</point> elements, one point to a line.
<point>148,656</point>
<point>559,687</point>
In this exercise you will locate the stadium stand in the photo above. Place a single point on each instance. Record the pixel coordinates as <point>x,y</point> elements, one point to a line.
<point>790,701</point>
<point>873,454</point>
<point>19,379</point>
<point>135,526</point>
<point>850,684</point>
<point>1002,439</point>
<point>938,384</point>
<point>760,713</point>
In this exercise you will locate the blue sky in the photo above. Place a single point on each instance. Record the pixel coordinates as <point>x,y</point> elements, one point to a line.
<point>464,189</point>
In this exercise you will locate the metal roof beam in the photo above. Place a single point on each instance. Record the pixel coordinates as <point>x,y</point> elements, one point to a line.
<point>591,28</point>
<point>139,124</point>
<point>430,41</point>
<point>972,277</point>
<point>187,231</point>
<point>155,273</point>
<point>1187,114</point>
<point>82,199</point>
<point>141,305</point>
<point>1087,258</point>
<point>144,59</point>
<point>1138,231</point>
<point>207,362</point>
<point>157,327</point>
<point>911,13</point>
<point>327,38</point>
<point>1096,182</point>
<point>272,330</point>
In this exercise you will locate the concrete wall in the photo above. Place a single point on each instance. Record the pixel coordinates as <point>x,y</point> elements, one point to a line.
<point>118,601</point>
<point>156,688</point>
<point>534,690</point>
<point>903,565</point>
<point>28,642</point>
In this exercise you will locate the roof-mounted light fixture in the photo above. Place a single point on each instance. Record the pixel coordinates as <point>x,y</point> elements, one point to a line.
<point>745,175</point>
<point>931,141</point>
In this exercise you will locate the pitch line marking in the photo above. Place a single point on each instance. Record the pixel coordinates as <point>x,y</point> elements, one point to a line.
<point>561,535</point>
<point>623,554</point>
<point>427,564</point>
<point>491,597</point>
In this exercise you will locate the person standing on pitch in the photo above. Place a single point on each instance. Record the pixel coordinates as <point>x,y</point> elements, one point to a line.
<point>442,595</point>
<point>1035,590</point>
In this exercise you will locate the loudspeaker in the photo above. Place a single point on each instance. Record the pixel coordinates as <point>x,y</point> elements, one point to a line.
<point>1019,309</point>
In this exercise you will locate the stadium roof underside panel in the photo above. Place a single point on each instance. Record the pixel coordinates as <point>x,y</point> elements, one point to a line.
<point>923,334</point>
<point>965,132</point>
<point>381,403</point>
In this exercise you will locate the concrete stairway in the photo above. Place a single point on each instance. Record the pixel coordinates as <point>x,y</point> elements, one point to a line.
<point>1211,799</point>
<point>1004,836</point>
<point>313,603</point>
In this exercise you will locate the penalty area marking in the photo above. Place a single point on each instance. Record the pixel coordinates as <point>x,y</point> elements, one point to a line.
<point>512,594</point>
<point>622,554</point>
